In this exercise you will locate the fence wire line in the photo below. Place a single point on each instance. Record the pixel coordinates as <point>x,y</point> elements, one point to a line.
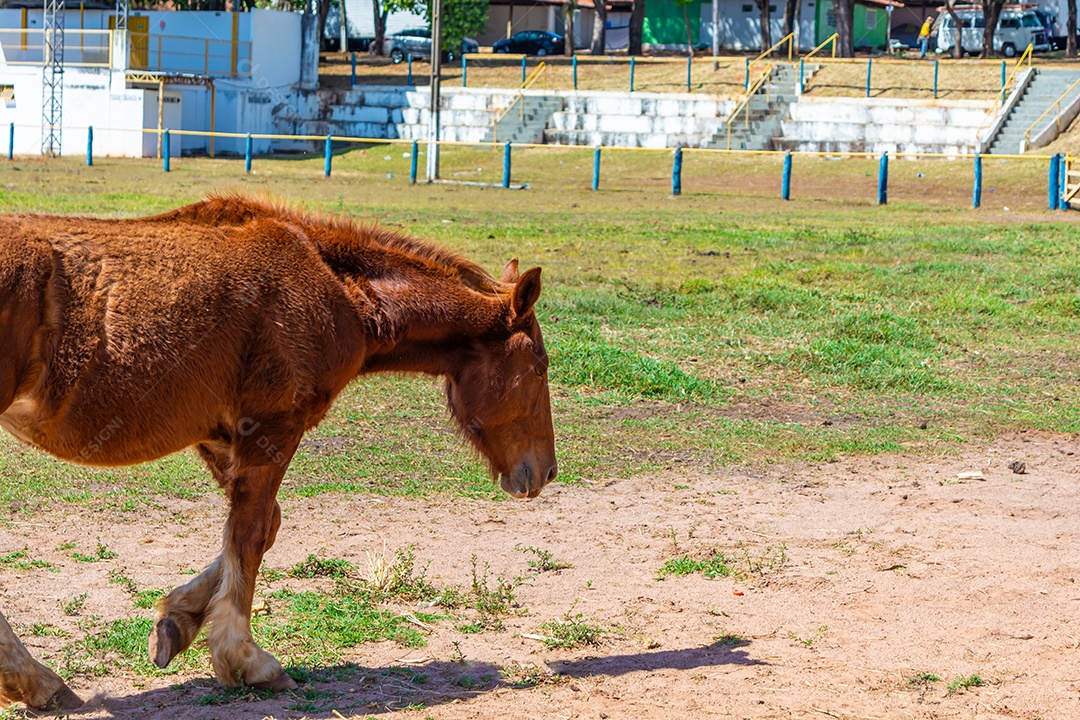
<point>546,146</point>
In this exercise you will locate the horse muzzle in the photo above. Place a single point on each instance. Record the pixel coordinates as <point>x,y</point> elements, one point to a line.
<point>527,480</point>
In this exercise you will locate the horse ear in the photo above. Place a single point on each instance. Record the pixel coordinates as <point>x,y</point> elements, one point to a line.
<point>526,292</point>
<point>510,273</point>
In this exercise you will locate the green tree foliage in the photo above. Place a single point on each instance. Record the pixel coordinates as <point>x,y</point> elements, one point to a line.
<point>460,18</point>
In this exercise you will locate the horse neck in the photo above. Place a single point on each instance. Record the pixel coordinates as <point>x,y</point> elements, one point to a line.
<point>426,322</point>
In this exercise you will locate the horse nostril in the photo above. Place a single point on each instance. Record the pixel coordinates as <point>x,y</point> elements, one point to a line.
<point>552,472</point>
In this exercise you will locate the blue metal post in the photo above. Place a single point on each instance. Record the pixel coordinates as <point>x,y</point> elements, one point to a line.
<point>165,154</point>
<point>676,173</point>
<point>1063,183</point>
<point>935,78</point>
<point>352,81</point>
<point>689,64</point>
<point>522,68</point>
<point>464,71</point>
<point>11,142</point>
<point>746,75</point>
<point>631,73</point>
<point>573,62</point>
<point>800,89</point>
<point>883,180</point>
<point>785,180</point>
<point>409,80</point>
<point>247,154</point>
<point>869,65</point>
<point>596,169</point>
<point>976,190</point>
<point>1002,74</point>
<point>328,156</point>
<point>90,146</point>
<point>506,165</point>
<point>412,163</point>
<point>1053,186</point>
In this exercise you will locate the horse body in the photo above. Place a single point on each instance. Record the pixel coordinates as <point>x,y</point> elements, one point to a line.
<point>231,325</point>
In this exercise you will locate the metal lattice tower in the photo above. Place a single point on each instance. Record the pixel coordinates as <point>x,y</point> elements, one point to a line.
<point>52,86</point>
<point>121,14</point>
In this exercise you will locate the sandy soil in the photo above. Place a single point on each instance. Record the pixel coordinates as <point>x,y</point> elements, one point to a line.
<point>893,567</point>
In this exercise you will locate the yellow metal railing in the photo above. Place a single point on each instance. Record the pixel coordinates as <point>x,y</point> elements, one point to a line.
<point>518,100</point>
<point>206,56</point>
<point>1011,81</point>
<point>743,106</point>
<point>831,39</point>
<point>789,39</point>
<point>1055,104</point>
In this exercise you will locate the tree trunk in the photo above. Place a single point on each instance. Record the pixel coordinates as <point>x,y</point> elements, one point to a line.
<point>324,10</point>
<point>766,36</point>
<point>790,8</point>
<point>689,34</point>
<point>958,48</point>
<point>568,22</point>
<point>991,15</point>
<point>637,27</point>
<point>376,47</point>
<point>844,12</point>
<point>599,29</point>
<point>1070,41</point>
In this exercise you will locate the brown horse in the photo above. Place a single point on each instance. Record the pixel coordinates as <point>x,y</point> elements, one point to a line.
<point>231,325</point>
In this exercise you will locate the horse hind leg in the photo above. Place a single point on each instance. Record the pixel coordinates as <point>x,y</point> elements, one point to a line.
<point>23,679</point>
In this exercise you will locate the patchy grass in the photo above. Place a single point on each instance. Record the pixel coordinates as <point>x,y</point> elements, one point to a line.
<point>694,327</point>
<point>572,631</point>
<point>715,565</point>
<point>965,683</point>
<point>21,560</point>
<point>544,560</point>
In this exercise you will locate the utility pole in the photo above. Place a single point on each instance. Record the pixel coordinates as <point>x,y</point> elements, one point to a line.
<point>715,35</point>
<point>436,72</point>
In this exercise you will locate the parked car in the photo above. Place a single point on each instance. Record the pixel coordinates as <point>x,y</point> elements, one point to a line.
<point>417,42</point>
<point>1017,28</point>
<point>532,42</point>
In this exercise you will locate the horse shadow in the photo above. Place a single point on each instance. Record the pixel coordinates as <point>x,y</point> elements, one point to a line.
<point>351,689</point>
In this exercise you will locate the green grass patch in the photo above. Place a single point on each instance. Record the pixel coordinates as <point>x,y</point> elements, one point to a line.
<point>965,683</point>
<point>715,565</point>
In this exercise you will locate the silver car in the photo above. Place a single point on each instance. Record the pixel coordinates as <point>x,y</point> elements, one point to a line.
<point>417,42</point>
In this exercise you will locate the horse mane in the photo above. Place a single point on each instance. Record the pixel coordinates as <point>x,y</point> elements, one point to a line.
<point>341,240</point>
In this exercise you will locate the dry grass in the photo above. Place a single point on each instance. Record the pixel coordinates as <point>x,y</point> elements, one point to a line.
<point>899,78</point>
<point>957,79</point>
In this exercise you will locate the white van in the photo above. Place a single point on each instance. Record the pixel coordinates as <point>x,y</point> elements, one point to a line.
<point>1017,28</point>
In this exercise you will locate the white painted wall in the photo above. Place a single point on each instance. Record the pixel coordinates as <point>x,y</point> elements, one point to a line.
<point>740,24</point>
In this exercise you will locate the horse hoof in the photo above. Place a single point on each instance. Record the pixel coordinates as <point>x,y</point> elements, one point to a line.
<point>164,642</point>
<point>282,682</point>
<point>62,699</point>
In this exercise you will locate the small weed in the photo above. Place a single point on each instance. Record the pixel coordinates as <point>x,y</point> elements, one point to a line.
<point>472,682</point>
<point>545,561</point>
<point>964,683</point>
<point>75,605</point>
<point>270,574</point>
<point>147,599</point>
<point>314,567</point>
<point>65,546</point>
<point>809,641</point>
<point>102,552</point>
<point>771,561</point>
<point>523,676</point>
<point>47,630</point>
<point>20,560</point>
<point>715,565</point>
<point>572,631</point>
<point>922,679</point>
<point>729,640</point>
<point>226,696</point>
<point>117,577</point>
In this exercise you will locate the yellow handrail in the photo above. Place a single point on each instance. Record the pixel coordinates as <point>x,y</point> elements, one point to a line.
<point>744,103</point>
<point>1056,103</point>
<point>831,39</point>
<point>530,80</point>
<point>1012,76</point>
<point>1071,189</point>
<point>789,39</point>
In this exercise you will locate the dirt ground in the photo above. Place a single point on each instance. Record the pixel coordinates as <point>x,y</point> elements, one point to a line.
<point>894,567</point>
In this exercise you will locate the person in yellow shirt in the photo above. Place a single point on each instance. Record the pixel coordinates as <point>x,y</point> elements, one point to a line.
<point>924,36</point>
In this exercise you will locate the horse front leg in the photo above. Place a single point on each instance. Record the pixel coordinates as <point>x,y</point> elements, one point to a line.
<point>24,679</point>
<point>182,613</point>
<point>250,530</point>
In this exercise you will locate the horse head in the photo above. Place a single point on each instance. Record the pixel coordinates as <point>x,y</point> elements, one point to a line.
<point>499,395</point>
